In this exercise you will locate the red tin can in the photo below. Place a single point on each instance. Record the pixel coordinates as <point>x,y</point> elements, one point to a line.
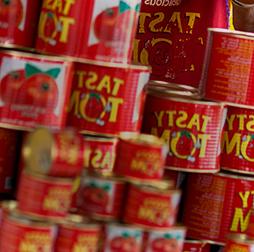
<point>58,154</point>
<point>191,128</point>
<point>18,22</point>
<point>105,33</point>
<point>76,234</point>
<point>140,156</point>
<point>101,197</point>
<point>44,197</point>
<point>216,205</point>
<point>171,37</point>
<point>19,233</point>
<point>227,74</point>
<point>99,153</point>
<point>107,98</point>
<point>151,207</point>
<point>238,139</point>
<point>34,90</point>
<point>196,246</point>
<point>120,237</point>
<point>239,242</point>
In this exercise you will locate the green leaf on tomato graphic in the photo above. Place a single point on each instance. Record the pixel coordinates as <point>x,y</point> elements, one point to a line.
<point>125,235</point>
<point>123,7</point>
<point>32,70</point>
<point>54,72</point>
<point>186,133</point>
<point>167,236</point>
<point>106,188</point>
<point>137,8</point>
<point>93,184</point>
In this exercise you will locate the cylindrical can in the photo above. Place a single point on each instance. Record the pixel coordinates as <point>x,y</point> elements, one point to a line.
<point>140,156</point>
<point>119,237</point>
<point>237,141</point>
<point>101,197</point>
<point>76,234</point>
<point>192,130</point>
<point>44,197</point>
<point>239,242</point>
<point>151,207</point>
<point>107,98</point>
<point>18,22</point>
<point>216,205</point>
<point>196,246</point>
<point>227,75</point>
<point>105,33</point>
<point>99,153</point>
<point>34,90</point>
<point>19,233</point>
<point>57,154</point>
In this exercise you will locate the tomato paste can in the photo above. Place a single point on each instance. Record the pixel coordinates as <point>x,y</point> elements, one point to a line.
<point>19,233</point>
<point>99,153</point>
<point>34,90</point>
<point>51,153</point>
<point>196,246</point>
<point>239,242</point>
<point>77,234</point>
<point>171,37</point>
<point>105,33</point>
<point>44,197</point>
<point>226,200</point>
<point>101,197</point>
<point>227,74</point>
<point>107,98</point>
<point>237,141</point>
<point>18,22</point>
<point>149,206</point>
<point>191,128</point>
<point>140,156</point>
<point>121,237</point>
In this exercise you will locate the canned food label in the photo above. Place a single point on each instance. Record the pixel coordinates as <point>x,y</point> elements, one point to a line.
<point>235,246</point>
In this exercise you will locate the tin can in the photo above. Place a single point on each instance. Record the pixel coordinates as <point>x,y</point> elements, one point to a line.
<point>105,33</point>
<point>239,242</point>
<point>34,90</point>
<point>101,197</point>
<point>140,156</point>
<point>171,37</point>
<point>19,233</point>
<point>99,153</point>
<point>151,207</point>
<point>77,234</point>
<point>237,141</point>
<point>18,22</point>
<point>196,246</point>
<point>58,154</point>
<point>44,197</point>
<point>232,85</point>
<point>191,128</point>
<point>216,205</point>
<point>120,237</point>
<point>107,98</point>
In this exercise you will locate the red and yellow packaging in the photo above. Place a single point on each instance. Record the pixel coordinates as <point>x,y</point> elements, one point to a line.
<point>196,246</point>
<point>18,22</point>
<point>34,90</point>
<point>238,139</point>
<point>151,207</point>
<point>225,199</point>
<point>101,197</point>
<point>107,98</point>
<point>42,196</point>
<point>140,156</point>
<point>105,33</point>
<point>191,129</point>
<point>171,37</point>
<point>239,242</point>
<point>19,233</point>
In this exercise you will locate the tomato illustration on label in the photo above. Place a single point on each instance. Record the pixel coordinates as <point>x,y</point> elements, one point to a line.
<point>165,244</point>
<point>124,243</point>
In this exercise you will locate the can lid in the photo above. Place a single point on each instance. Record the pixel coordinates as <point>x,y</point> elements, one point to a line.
<point>8,205</point>
<point>242,4</point>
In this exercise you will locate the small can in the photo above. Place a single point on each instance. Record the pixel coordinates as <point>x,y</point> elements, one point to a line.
<point>58,154</point>
<point>225,199</point>
<point>140,156</point>
<point>18,22</point>
<point>239,242</point>
<point>196,246</point>
<point>44,197</point>
<point>77,234</point>
<point>101,197</point>
<point>34,90</point>
<point>99,153</point>
<point>191,128</point>
<point>105,33</point>
<point>120,237</point>
<point>232,85</point>
<point>19,233</point>
<point>149,206</point>
<point>107,98</point>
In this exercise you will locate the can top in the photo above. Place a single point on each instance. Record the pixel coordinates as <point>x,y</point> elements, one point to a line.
<point>241,4</point>
<point>79,221</point>
<point>234,176</point>
<point>241,238</point>
<point>235,33</point>
<point>8,205</point>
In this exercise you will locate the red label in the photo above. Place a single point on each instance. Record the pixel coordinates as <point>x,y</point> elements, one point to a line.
<point>234,246</point>
<point>195,246</point>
